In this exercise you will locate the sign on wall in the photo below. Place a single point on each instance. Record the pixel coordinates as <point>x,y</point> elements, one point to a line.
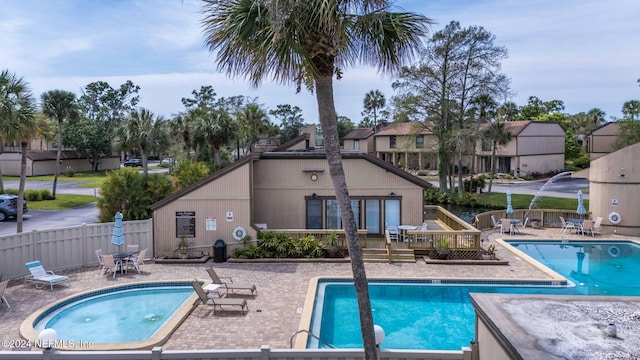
<point>186,224</point>
<point>229,216</point>
<point>211,223</point>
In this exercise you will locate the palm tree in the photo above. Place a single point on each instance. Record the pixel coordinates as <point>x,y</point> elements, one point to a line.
<point>253,122</point>
<point>17,124</point>
<point>137,133</point>
<point>59,105</point>
<point>498,136</point>
<point>216,128</point>
<point>373,101</point>
<point>308,42</point>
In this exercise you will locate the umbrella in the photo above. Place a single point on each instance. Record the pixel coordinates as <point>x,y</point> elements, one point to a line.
<point>117,238</point>
<point>509,208</point>
<point>581,209</point>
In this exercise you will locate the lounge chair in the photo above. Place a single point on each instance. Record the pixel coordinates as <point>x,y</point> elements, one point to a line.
<point>42,277</point>
<point>218,303</point>
<point>230,285</point>
<point>496,225</point>
<point>3,287</point>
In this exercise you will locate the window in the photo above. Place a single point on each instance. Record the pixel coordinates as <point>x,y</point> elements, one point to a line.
<point>392,141</point>
<point>333,215</point>
<point>420,141</point>
<point>356,144</point>
<point>392,212</point>
<point>372,216</point>
<point>486,145</point>
<point>314,214</point>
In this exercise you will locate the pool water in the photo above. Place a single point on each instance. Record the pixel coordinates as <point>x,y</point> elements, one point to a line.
<point>414,316</point>
<point>436,316</point>
<point>124,316</point>
<point>597,268</point>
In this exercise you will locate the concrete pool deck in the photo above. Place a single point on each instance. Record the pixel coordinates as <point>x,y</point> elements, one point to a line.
<point>275,313</point>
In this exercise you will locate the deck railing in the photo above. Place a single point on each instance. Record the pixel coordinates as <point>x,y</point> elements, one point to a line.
<point>322,234</point>
<point>546,217</point>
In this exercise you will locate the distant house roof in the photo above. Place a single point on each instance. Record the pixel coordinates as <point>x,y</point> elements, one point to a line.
<point>360,133</point>
<point>296,140</point>
<point>605,125</point>
<point>512,127</point>
<point>43,155</point>
<point>409,128</point>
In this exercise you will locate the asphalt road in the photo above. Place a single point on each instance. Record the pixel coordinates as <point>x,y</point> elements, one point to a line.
<point>566,187</point>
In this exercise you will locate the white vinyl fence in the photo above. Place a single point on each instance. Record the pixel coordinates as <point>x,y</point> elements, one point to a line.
<point>66,248</point>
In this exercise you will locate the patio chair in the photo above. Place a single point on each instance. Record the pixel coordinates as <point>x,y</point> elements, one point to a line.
<point>505,225</point>
<point>230,285</point>
<point>596,224</point>
<point>522,225</point>
<point>109,264</point>
<point>496,225</point>
<point>422,236</point>
<point>132,248</point>
<point>218,303</point>
<point>587,226</point>
<point>3,288</point>
<point>137,259</point>
<point>566,225</point>
<point>42,277</point>
<point>394,233</point>
<point>99,255</point>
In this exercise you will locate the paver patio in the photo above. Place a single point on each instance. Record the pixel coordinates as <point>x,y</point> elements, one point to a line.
<point>274,314</point>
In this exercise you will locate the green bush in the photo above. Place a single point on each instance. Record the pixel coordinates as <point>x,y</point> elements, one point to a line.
<point>188,172</point>
<point>280,246</point>
<point>582,162</point>
<point>32,195</point>
<point>470,185</point>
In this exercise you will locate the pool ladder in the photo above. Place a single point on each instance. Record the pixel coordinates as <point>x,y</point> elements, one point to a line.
<point>310,334</point>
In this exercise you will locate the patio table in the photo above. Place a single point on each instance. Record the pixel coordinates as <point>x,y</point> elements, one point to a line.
<point>403,231</point>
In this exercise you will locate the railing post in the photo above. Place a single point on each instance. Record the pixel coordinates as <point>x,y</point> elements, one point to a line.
<point>265,352</point>
<point>156,352</point>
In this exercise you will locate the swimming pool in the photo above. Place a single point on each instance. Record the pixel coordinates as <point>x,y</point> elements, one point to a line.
<point>134,316</point>
<point>438,315</point>
<point>596,267</point>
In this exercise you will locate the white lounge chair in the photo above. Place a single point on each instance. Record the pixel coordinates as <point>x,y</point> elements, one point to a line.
<point>42,277</point>
<point>3,287</point>
<point>230,285</point>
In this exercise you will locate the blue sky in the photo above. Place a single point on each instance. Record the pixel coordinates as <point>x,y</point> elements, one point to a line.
<point>583,52</point>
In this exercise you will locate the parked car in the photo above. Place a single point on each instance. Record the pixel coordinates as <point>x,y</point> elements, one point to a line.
<point>133,163</point>
<point>9,206</point>
<point>166,162</point>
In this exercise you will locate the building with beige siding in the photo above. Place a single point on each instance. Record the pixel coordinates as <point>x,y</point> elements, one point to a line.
<point>535,148</point>
<point>286,190</point>
<point>43,162</point>
<point>614,188</point>
<point>410,146</point>
<point>601,140</point>
<point>360,140</point>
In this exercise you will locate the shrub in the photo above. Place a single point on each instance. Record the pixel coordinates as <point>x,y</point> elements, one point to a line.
<point>32,195</point>
<point>471,185</point>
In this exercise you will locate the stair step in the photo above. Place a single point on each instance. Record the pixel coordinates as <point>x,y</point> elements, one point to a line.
<point>397,255</point>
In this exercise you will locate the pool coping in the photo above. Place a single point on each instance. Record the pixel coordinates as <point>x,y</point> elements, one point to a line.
<point>28,331</point>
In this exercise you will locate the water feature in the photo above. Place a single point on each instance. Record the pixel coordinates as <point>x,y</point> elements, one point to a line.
<point>544,187</point>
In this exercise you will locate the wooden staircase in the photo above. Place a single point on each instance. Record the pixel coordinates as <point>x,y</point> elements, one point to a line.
<point>380,255</point>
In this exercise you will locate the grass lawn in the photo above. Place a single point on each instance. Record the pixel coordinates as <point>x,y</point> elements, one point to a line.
<point>62,202</point>
<point>522,201</point>
<point>89,179</point>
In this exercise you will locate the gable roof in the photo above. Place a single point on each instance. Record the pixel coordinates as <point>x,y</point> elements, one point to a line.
<point>295,141</point>
<point>357,134</point>
<point>289,155</point>
<point>408,128</point>
<point>512,127</point>
<point>599,128</point>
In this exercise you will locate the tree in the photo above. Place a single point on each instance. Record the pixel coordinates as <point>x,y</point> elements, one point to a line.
<point>291,121</point>
<point>308,42</point>
<point>631,110</point>
<point>17,124</point>
<point>458,66</point>
<point>106,107</point>
<point>216,128</point>
<point>59,105</point>
<point>345,126</point>
<point>374,101</point>
<point>253,122</point>
<point>535,108</point>
<point>498,136</point>
<point>138,133</point>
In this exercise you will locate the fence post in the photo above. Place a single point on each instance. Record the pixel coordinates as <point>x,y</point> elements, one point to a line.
<point>265,352</point>
<point>156,352</point>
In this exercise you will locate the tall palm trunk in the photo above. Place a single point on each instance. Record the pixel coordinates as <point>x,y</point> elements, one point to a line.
<point>58,154</point>
<point>493,165</point>
<point>23,176</point>
<point>327,115</point>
